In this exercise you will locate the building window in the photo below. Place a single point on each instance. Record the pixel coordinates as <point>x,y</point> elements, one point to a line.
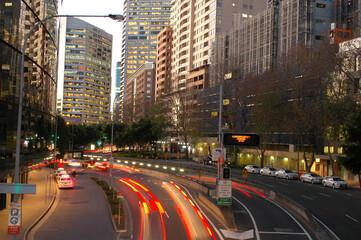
<point>320,5</point>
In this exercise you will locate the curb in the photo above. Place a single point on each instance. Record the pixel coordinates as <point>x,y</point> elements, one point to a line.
<point>125,205</point>
<point>42,216</point>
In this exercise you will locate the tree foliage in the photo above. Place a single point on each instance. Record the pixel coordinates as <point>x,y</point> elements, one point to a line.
<point>352,144</point>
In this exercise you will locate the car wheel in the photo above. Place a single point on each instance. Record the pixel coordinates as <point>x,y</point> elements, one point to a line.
<point>312,181</point>
<point>287,177</point>
<point>302,180</point>
<point>324,184</point>
<point>252,171</point>
<point>270,175</point>
<point>333,186</point>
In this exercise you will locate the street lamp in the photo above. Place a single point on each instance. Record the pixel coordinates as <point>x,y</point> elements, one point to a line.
<point>116,17</point>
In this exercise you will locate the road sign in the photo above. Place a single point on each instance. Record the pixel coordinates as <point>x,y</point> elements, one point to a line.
<point>224,192</point>
<point>241,139</point>
<point>218,153</point>
<point>221,160</point>
<point>14,218</point>
<point>18,188</point>
<point>244,172</point>
<point>119,195</point>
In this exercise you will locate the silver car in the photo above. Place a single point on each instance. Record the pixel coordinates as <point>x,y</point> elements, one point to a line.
<point>268,171</point>
<point>311,177</point>
<point>252,168</point>
<point>334,182</point>
<point>286,173</point>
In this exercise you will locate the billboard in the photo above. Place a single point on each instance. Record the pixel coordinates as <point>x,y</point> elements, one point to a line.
<point>241,139</point>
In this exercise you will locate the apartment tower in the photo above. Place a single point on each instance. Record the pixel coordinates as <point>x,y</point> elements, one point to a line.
<point>84,72</point>
<point>143,22</point>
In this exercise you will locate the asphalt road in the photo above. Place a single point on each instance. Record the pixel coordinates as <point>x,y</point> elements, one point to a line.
<point>79,213</point>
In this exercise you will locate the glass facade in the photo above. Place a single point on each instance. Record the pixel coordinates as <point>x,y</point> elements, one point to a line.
<point>16,19</point>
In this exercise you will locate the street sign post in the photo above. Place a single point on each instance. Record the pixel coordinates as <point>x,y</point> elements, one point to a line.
<point>224,192</point>
<point>14,218</point>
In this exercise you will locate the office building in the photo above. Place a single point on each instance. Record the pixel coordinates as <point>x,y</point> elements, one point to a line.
<point>139,96</point>
<point>143,22</point>
<point>163,75</point>
<point>84,72</point>
<point>195,25</point>
<point>16,20</point>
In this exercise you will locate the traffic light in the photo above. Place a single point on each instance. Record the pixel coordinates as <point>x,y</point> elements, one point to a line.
<point>226,173</point>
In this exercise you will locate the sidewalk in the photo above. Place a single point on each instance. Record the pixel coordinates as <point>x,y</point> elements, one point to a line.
<point>33,205</point>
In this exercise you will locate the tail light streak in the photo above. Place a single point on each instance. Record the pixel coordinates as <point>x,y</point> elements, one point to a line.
<point>203,220</point>
<point>153,198</point>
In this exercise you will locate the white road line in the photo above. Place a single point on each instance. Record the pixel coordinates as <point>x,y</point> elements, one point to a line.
<point>250,214</point>
<point>291,233</point>
<point>323,194</point>
<point>166,214</point>
<point>200,209</point>
<point>269,185</point>
<point>349,194</point>
<point>351,217</point>
<point>326,227</point>
<point>294,219</point>
<point>307,197</point>
<point>283,183</point>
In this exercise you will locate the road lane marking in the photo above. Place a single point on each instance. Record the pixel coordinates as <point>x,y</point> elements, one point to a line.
<point>283,183</point>
<point>349,194</point>
<point>252,218</point>
<point>351,217</point>
<point>294,219</point>
<point>238,235</point>
<point>200,209</point>
<point>323,194</point>
<point>307,197</point>
<point>326,227</point>
<point>166,214</point>
<point>284,233</point>
<point>269,185</point>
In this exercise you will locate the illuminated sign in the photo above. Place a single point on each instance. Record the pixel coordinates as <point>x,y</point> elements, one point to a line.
<point>239,139</point>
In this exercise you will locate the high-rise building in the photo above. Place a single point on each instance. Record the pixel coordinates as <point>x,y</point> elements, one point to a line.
<point>164,59</point>
<point>118,96</point>
<point>139,96</point>
<point>16,20</point>
<point>84,72</point>
<point>143,21</point>
<point>195,24</point>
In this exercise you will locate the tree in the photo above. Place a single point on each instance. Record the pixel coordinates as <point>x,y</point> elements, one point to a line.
<point>352,145</point>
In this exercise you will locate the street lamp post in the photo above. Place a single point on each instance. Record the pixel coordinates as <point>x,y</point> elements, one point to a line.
<point>116,17</point>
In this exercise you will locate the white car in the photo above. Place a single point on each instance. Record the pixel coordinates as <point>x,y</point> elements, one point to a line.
<point>334,182</point>
<point>252,168</point>
<point>268,171</point>
<point>311,177</point>
<point>65,182</point>
<point>286,173</point>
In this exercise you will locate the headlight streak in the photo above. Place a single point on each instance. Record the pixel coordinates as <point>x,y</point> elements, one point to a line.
<point>242,191</point>
<point>204,221</point>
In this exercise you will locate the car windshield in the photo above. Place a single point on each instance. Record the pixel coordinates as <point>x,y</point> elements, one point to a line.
<point>288,171</point>
<point>255,166</point>
<point>314,175</point>
<point>272,169</point>
<point>337,179</point>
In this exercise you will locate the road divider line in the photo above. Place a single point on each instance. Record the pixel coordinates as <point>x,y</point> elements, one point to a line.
<point>294,219</point>
<point>307,197</point>
<point>351,217</point>
<point>284,233</point>
<point>209,221</point>
<point>326,195</point>
<point>252,218</point>
<point>324,225</point>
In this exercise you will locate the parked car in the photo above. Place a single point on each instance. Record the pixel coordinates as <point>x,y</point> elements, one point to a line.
<point>252,168</point>
<point>311,177</point>
<point>334,182</point>
<point>268,171</point>
<point>286,173</point>
<point>65,182</point>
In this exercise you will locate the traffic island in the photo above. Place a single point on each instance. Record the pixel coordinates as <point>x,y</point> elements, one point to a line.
<point>115,204</point>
